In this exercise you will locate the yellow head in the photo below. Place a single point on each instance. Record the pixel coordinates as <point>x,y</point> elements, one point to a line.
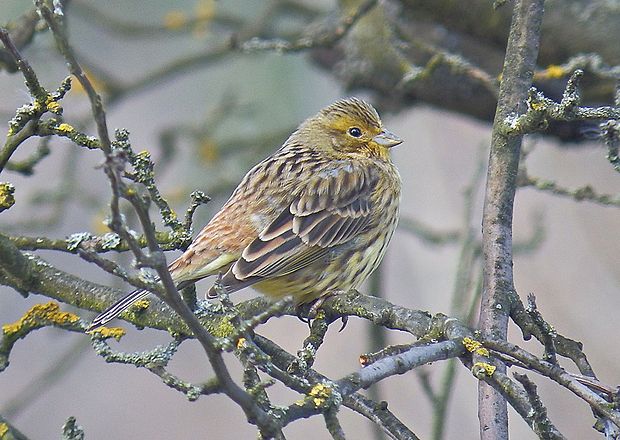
<point>351,127</point>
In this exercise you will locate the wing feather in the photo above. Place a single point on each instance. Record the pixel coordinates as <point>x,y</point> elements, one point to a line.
<point>327,211</point>
<point>279,226</point>
<point>314,236</point>
<point>263,262</point>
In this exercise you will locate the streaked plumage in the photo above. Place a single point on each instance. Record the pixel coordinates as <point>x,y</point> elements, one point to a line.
<point>313,218</point>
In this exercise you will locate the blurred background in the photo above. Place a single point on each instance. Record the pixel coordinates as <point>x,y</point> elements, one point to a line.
<point>207,115</point>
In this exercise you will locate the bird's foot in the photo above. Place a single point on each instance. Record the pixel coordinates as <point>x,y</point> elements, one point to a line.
<point>307,312</point>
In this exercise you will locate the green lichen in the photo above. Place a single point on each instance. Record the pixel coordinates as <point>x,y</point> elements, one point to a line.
<point>140,305</point>
<point>71,430</point>
<point>6,196</point>
<point>74,240</point>
<point>110,240</point>
<point>23,115</point>
<point>138,308</point>
<point>143,167</point>
<point>222,329</point>
<point>63,129</point>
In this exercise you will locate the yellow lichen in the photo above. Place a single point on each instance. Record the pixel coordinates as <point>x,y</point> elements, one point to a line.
<point>475,347</point>
<point>551,72</point>
<point>483,366</point>
<point>536,105</point>
<point>208,150</point>
<point>142,304</point>
<point>224,329</point>
<point>54,107</point>
<point>205,10</point>
<point>65,128</point>
<point>130,192</point>
<point>109,332</point>
<point>319,394</point>
<point>41,314</point>
<point>6,196</point>
<point>9,329</point>
<point>204,13</point>
<point>175,20</point>
<point>4,429</point>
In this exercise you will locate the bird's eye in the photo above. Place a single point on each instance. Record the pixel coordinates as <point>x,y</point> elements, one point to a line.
<point>355,132</point>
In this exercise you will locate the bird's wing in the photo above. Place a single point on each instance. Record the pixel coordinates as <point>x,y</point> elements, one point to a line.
<point>327,211</point>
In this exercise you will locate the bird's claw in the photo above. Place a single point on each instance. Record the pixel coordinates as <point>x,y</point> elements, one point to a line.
<point>307,316</point>
<point>344,319</point>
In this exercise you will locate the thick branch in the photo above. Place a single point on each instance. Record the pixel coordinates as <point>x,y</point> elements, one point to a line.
<point>31,274</point>
<point>519,66</point>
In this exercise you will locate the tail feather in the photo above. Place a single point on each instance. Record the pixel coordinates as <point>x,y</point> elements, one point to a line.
<point>117,308</point>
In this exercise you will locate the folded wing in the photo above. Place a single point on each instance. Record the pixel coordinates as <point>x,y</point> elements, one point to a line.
<point>326,212</point>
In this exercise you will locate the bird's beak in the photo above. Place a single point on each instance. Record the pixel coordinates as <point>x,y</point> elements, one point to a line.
<point>387,139</point>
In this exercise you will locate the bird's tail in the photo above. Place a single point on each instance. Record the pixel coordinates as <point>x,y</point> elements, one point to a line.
<point>117,308</point>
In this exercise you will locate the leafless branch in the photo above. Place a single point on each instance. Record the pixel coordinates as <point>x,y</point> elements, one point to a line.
<point>519,65</point>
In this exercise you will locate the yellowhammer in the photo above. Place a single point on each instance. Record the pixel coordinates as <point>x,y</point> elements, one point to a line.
<point>312,219</point>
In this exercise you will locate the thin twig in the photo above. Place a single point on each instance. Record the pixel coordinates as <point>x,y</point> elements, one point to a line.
<point>557,374</point>
<point>585,193</point>
<point>379,414</point>
<point>55,22</point>
<point>325,39</point>
<point>427,233</point>
<point>32,82</point>
<point>155,259</point>
<point>333,425</point>
<point>375,412</point>
<point>542,425</point>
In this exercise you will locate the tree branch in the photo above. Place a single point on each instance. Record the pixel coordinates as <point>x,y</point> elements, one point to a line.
<point>519,66</point>
<point>9,431</point>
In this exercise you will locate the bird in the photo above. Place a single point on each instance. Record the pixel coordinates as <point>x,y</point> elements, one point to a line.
<point>313,219</point>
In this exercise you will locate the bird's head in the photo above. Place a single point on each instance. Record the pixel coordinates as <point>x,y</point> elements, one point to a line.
<point>349,126</point>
